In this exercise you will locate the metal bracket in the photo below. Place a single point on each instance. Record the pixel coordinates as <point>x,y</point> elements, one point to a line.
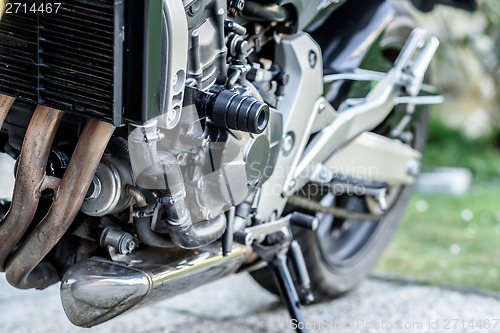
<point>360,115</point>
<point>175,51</point>
<point>303,92</point>
<point>260,231</point>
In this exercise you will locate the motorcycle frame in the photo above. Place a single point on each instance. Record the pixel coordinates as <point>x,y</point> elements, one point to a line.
<point>339,131</point>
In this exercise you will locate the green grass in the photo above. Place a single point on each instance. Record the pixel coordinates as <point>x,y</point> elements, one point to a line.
<point>440,242</point>
<point>450,147</point>
<point>437,241</point>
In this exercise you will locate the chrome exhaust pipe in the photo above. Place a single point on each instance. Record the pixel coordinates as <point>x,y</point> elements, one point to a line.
<point>96,290</point>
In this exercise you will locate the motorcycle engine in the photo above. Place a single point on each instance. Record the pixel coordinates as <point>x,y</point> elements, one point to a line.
<point>222,142</point>
<point>193,131</point>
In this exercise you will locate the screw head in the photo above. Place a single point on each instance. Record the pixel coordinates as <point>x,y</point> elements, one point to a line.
<point>242,47</point>
<point>175,79</point>
<point>130,246</point>
<point>288,143</point>
<point>313,59</point>
<point>413,168</point>
<point>195,8</point>
<point>324,175</point>
<point>322,107</point>
<point>171,115</point>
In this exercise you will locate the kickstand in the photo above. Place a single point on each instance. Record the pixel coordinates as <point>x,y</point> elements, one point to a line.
<point>279,246</point>
<point>276,255</point>
<point>287,290</point>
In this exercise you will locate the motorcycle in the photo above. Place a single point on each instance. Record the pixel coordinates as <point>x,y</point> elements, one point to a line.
<point>161,145</point>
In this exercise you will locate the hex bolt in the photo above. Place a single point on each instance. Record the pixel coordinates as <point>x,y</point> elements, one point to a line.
<point>242,47</point>
<point>121,241</point>
<point>94,189</point>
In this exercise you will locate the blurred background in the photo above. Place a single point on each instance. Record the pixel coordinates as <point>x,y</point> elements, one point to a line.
<point>451,232</point>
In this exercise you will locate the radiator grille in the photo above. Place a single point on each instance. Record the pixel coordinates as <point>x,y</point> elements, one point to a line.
<point>63,60</point>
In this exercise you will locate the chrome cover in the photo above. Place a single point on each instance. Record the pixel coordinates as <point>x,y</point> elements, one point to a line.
<point>97,289</point>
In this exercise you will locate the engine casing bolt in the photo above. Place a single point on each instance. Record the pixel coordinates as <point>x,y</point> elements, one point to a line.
<point>288,143</point>
<point>121,241</point>
<point>313,59</point>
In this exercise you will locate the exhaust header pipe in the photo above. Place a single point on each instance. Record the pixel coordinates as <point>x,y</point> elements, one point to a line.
<point>96,290</point>
<point>3,4</point>
<point>5,101</point>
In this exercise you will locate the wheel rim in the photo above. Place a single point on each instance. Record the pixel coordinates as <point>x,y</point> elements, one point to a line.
<point>341,240</point>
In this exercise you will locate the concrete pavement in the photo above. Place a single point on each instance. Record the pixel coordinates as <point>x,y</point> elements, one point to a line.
<point>238,304</point>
